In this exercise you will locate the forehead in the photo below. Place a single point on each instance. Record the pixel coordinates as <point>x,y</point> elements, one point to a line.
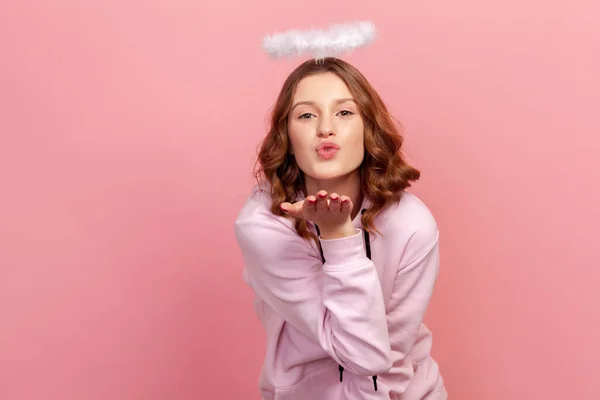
<point>322,86</point>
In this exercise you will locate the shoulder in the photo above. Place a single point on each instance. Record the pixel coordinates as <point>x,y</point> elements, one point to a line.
<point>257,210</point>
<point>257,205</point>
<point>412,216</point>
<point>259,231</point>
<point>412,223</point>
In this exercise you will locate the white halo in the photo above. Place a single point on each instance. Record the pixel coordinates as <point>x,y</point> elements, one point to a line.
<point>319,43</point>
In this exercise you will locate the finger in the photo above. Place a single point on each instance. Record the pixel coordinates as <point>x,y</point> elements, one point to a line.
<point>310,205</point>
<point>335,203</point>
<point>346,204</point>
<point>294,210</point>
<point>322,200</point>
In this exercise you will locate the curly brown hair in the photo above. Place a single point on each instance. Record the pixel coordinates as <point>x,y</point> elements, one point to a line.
<point>384,171</point>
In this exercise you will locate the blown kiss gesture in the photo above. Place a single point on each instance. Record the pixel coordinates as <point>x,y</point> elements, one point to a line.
<point>331,213</point>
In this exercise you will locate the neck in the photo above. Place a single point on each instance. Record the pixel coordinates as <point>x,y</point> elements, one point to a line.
<point>348,185</point>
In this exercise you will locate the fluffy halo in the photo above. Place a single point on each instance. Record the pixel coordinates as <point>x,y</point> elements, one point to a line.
<point>320,43</point>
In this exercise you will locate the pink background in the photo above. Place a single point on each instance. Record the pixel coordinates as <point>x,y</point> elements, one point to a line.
<point>119,120</point>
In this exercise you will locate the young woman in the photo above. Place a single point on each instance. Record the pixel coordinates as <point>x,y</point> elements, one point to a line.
<point>342,259</point>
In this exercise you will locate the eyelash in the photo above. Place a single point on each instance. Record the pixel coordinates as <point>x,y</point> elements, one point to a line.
<point>346,111</point>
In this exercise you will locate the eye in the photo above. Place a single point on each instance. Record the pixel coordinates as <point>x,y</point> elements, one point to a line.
<point>305,116</point>
<point>346,113</point>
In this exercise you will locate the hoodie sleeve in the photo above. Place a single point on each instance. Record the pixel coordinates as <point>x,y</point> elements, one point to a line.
<point>339,304</point>
<point>413,288</point>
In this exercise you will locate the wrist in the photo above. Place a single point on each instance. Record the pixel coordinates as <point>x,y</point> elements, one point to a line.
<point>340,232</point>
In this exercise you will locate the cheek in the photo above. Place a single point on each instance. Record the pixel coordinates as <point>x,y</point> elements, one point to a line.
<point>357,135</point>
<point>357,142</point>
<point>301,150</point>
<point>298,141</point>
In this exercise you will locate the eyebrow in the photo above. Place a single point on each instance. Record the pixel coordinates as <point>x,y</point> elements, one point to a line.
<point>310,103</point>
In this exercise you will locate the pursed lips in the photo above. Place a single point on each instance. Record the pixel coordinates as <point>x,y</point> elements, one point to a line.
<point>327,146</point>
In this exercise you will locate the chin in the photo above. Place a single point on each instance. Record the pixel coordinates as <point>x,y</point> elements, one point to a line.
<point>330,174</point>
<point>327,177</point>
<point>331,170</point>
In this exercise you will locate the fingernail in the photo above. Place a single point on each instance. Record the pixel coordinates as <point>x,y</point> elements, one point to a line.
<point>335,198</point>
<point>321,195</point>
<point>312,201</point>
<point>282,209</point>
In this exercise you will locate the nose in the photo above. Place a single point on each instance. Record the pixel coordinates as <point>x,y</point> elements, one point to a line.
<point>326,133</point>
<point>325,128</point>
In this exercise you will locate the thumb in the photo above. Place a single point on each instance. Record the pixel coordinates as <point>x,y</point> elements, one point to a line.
<point>294,210</point>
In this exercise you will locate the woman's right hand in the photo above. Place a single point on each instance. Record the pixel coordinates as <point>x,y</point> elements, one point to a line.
<point>331,213</point>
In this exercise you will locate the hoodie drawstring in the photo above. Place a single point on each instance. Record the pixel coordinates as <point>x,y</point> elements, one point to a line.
<point>368,248</point>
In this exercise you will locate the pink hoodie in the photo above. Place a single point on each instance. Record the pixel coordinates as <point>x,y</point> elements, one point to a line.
<point>352,327</point>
